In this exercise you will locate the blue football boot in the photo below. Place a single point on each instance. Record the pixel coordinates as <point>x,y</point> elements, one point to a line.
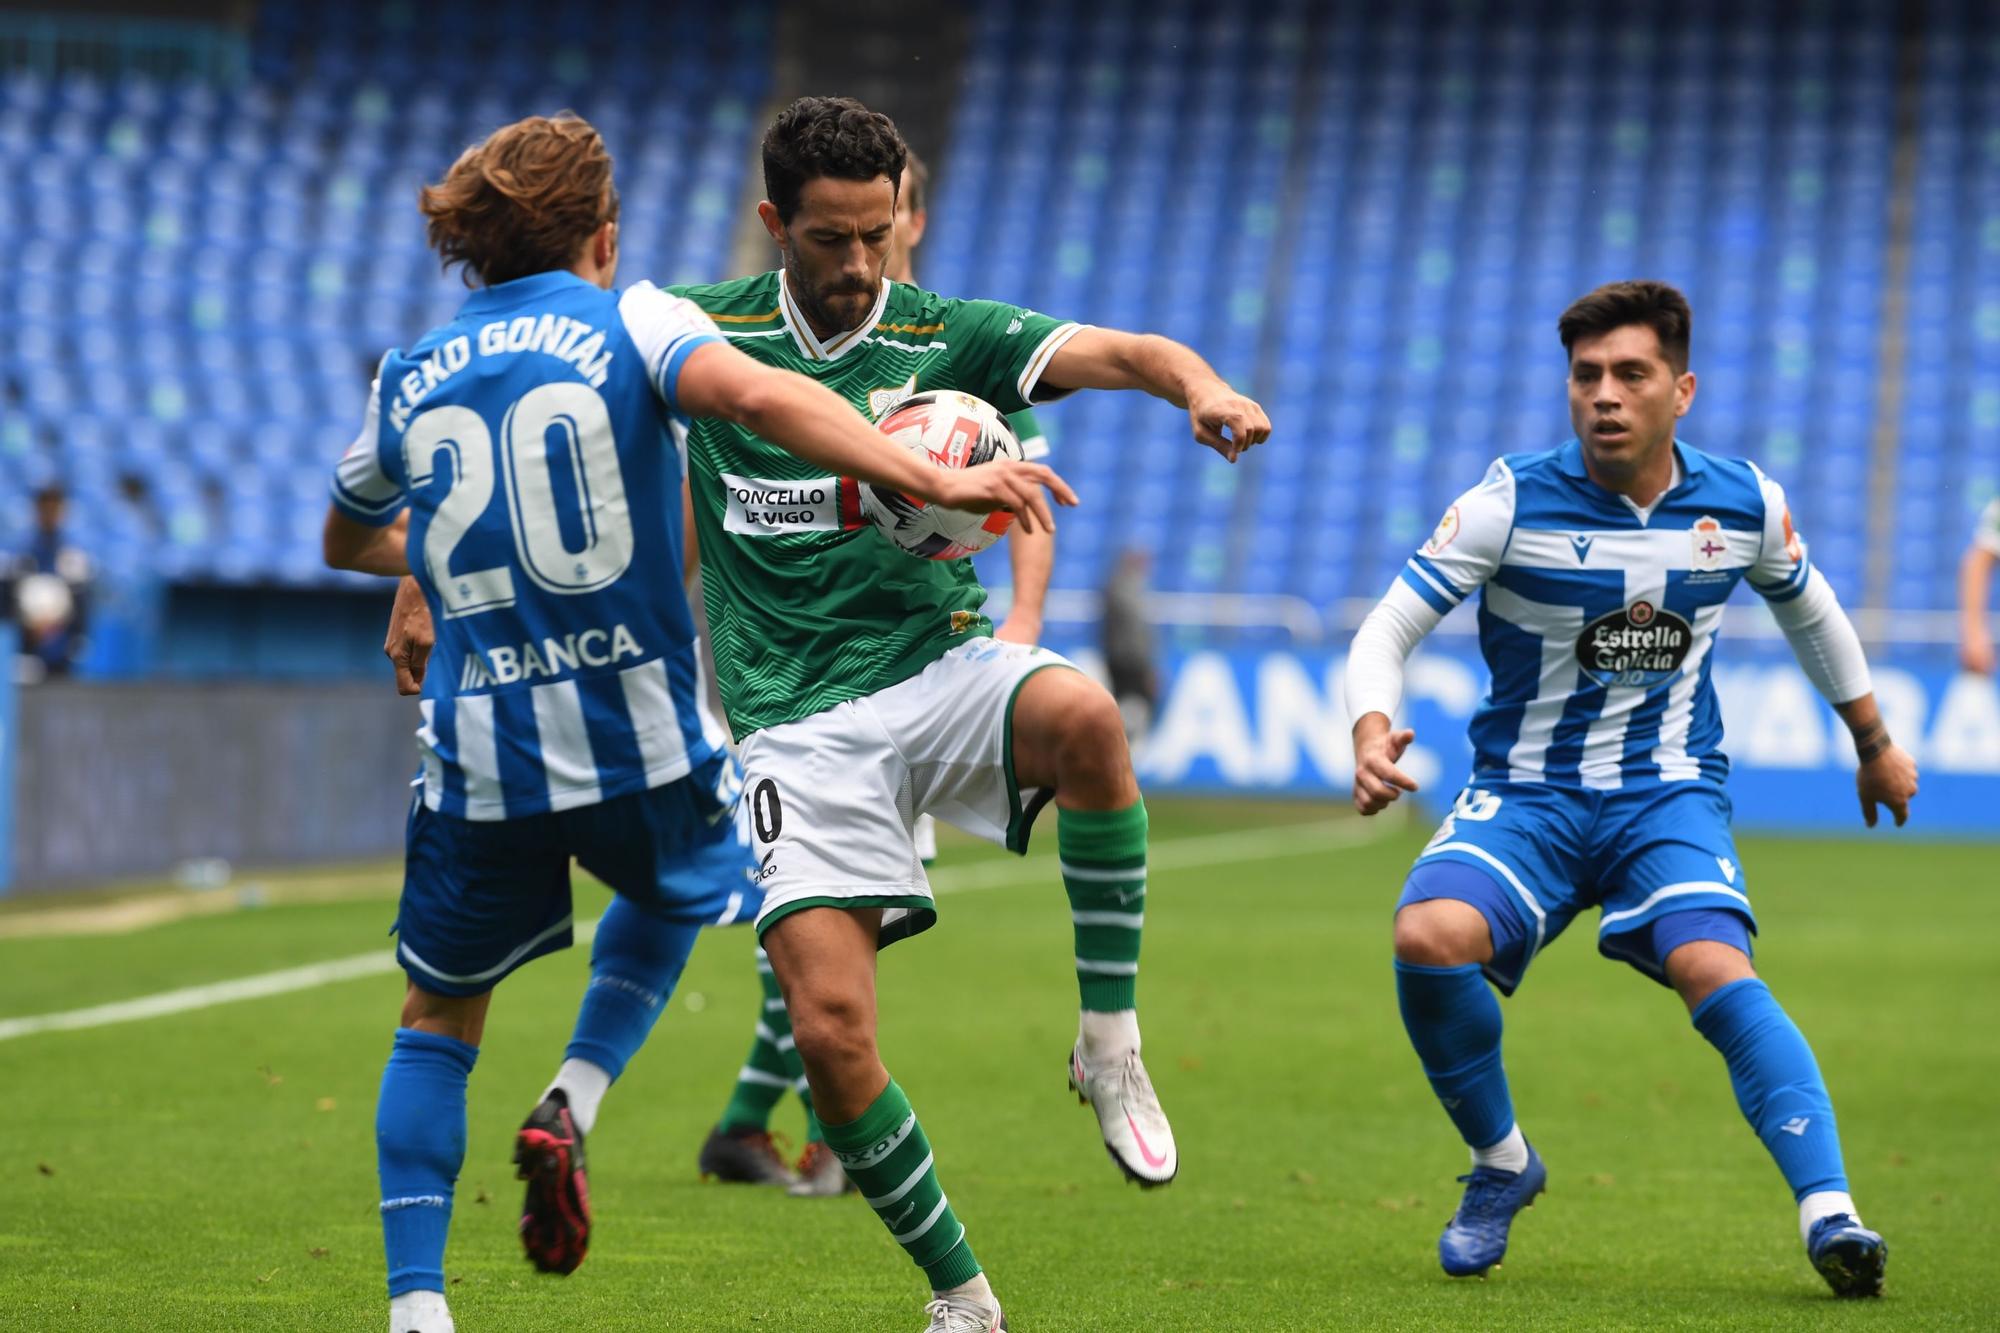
<point>1476,1237</point>
<point>1848,1255</point>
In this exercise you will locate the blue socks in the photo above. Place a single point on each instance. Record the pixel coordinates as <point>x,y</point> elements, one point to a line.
<point>419,1147</point>
<point>1454,1022</point>
<point>420,1116</point>
<point>1777,1083</point>
<point>635,962</point>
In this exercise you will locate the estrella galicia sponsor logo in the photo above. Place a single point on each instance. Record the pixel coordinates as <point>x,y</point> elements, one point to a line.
<point>1637,645</point>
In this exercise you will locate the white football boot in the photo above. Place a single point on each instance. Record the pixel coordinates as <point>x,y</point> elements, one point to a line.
<point>964,1314</point>
<point>1136,1132</point>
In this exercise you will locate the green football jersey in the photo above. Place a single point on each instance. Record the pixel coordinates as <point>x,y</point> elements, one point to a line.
<point>807,605</point>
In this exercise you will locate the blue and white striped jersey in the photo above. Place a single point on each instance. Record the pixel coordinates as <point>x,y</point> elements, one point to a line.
<point>536,442</point>
<point>1597,619</point>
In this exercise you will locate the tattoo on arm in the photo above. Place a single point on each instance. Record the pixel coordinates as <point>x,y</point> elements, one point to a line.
<point>1871,741</point>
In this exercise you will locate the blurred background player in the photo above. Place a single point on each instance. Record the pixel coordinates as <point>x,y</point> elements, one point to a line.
<point>740,1148</point>
<point>560,721</point>
<point>1975,581</point>
<point>865,685</point>
<point>1125,632</point>
<point>1603,567</point>
<point>47,588</point>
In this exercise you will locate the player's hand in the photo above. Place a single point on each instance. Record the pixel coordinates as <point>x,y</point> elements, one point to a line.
<point>1377,780</point>
<point>1020,627</point>
<point>1226,421</point>
<point>1975,653</point>
<point>1890,779</point>
<point>411,637</point>
<point>1007,484</point>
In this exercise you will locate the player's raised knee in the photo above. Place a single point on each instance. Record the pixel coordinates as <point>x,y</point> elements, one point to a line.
<point>1091,746</point>
<point>1442,932</point>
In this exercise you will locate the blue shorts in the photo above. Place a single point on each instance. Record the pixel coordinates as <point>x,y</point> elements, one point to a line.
<point>482,897</point>
<point>1658,861</point>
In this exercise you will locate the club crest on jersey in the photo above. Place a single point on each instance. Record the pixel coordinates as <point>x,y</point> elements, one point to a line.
<point>881,400</point>
<point>961,621</point>
<point>1711,545</point>
<point>1638,645</point>
<point>1445,533</point>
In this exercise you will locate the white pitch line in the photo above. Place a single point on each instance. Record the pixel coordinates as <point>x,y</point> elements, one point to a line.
<point>1175,854</point>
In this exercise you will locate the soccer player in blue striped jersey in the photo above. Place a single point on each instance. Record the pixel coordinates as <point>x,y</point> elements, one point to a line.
<point>1602,567</point>
<point>525,462</point>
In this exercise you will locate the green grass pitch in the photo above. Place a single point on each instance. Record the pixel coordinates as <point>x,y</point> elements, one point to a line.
<point>215,1169</point>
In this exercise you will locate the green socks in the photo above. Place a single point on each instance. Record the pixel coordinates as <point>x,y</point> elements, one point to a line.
<point>772,1066</point>
<point>1104,869</point>
<point>889,1160</point>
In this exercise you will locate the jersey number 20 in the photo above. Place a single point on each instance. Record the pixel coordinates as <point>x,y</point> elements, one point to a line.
<point>576,414</point>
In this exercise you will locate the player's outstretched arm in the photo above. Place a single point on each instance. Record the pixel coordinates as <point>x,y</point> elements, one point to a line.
<point>1887,774</point>
<point>1375,661</point>
<point>1223,419</point>
<point>811,421</point>
<point>1463,552</point>
<point>1829,652</point>
<point>1378,745</point>
<point>1975,581</point>
<point>351,545</point>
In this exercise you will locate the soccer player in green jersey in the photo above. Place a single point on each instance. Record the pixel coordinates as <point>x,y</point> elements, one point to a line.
<point>865,686</point>
<point>740,1149</point>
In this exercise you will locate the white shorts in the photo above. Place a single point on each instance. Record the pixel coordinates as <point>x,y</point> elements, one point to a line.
<point>834,797</point>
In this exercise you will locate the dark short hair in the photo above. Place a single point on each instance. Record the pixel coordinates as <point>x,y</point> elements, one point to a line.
<point>828,136</point>
<point>1657,305</point>
<point>920,182</point>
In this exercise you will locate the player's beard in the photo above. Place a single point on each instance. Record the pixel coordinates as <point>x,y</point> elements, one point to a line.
<point>835,307</point>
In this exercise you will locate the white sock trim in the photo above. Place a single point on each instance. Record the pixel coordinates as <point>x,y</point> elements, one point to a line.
<point>1824,1203</point>
<point>584,1084</point>
<point>1510,1154</point>
<point>1107,1037</point>
<point>419,1312</point>
<point>978,1289</point>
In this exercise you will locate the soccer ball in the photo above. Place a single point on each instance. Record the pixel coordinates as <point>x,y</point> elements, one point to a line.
<point>952,429</point>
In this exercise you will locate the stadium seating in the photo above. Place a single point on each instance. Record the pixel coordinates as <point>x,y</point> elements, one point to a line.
<point>1367,215</point>
<point>1370,216</point>
<point>1948,465</point>
<point>202,277</point>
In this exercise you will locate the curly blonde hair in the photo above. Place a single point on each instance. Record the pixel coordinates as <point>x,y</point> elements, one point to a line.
<point>523,200</point>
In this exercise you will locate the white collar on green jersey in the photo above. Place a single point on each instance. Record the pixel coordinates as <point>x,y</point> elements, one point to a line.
<point>810,347</point>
